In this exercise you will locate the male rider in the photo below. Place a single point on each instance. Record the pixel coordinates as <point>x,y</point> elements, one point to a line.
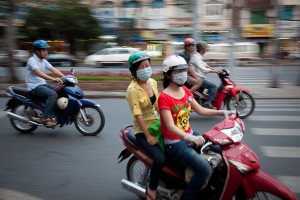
<point>36,80</point>
<point>193,80</point>
<point>201,68</point>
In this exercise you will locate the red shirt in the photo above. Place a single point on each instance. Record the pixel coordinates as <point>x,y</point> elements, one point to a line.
<point>181,112</point>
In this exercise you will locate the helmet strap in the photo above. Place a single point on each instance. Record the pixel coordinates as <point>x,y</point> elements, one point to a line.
<point>38,53</point>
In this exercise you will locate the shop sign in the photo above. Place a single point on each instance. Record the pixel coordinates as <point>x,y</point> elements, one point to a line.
<point>258,30</point>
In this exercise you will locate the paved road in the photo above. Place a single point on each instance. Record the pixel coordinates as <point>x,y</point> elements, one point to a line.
<point>62,164</point>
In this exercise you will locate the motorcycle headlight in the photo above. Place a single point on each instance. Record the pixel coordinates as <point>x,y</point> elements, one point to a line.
<point>72,80</point>
<point>235,133</point>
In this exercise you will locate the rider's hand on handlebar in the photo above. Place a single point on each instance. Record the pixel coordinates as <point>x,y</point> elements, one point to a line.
<point>57,80</point>
<point>198,140</point>
<point>227,113</point>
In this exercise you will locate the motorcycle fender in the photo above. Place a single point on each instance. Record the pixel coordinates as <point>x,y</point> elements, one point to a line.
<point>260,181</point>
<point>236,90</point>
<point>87,102</point>
<point>11,104</point>
<point>124,154</point>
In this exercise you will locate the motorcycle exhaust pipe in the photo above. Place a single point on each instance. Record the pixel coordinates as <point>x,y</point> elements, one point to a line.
<point>134,188</point>
<point>20,118</point>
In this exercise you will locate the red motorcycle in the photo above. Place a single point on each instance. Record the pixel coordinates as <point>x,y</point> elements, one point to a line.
<point>235,175</point>
<point>230,95</point>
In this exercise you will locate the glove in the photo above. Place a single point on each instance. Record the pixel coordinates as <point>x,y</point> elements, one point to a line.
<point>227,113</point>
<point>198,140</point>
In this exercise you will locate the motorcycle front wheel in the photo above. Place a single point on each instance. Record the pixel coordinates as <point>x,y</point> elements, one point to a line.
<point>259,196</point>
<point>23,127</point>
<point>245,105</point>
<point>90,120</point>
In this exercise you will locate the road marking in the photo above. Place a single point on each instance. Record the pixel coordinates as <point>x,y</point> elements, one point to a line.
<point>292,182</point>
<point>281,152</point>
<point>274,118</point>
<point>6,194</point>
<point>276,131</point>
<point>277,109</point>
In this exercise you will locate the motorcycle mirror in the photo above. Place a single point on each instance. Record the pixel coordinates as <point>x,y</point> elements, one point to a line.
<point>72,71</point>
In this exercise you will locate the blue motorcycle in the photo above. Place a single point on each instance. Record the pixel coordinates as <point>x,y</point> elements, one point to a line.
<point>26,110</point>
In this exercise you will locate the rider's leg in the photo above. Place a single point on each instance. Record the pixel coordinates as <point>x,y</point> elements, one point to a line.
<point>212,90</point>
<point>187,156</point>
<point>47,92</point>
<point>159,159</point>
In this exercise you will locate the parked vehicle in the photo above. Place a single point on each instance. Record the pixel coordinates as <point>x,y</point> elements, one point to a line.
<point>230,95</point>
<point>25,110</point>
<point>243,51</point>
<point>62,59</point>
<point>235,174</point>
<point>110,56</point>
<point>20,56</point>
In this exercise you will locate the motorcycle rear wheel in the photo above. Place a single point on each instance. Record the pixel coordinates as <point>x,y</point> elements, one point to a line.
<point>22,126</point>
<point>95,121</point>
<point>245,106</point>
<point>137,172</point>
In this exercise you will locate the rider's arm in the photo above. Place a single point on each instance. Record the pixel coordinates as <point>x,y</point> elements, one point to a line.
<point>212,70</point>
<point>142,125</point>
<point>56,71</point>
<point>41,74</point>
<point>194,75</point>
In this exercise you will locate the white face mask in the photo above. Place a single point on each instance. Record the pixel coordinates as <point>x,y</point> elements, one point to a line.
<point>180,78</point>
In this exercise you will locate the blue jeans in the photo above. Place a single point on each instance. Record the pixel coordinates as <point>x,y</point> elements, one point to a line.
<point>158,156</point>
<point>212,90</point>
<point>47,93</point>
<point>187,156</point>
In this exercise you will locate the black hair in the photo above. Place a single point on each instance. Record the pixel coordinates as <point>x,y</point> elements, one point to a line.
<point>166,80</point>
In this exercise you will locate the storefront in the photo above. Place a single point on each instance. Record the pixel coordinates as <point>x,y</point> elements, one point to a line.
<point>262,34</point>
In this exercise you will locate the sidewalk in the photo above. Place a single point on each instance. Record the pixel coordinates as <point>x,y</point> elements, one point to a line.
<point>99,89</point>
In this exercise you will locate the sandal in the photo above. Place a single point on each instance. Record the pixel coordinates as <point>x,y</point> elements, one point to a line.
<point>49,122</point>
<point>148,196</point>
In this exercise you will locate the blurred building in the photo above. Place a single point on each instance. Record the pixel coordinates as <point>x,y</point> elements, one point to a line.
<point>172,20</point>
<point>159,21</point>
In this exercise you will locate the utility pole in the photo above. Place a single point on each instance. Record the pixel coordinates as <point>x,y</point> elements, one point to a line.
<point>196,20</point>
<point>275,69</point>
<point>235,24</point>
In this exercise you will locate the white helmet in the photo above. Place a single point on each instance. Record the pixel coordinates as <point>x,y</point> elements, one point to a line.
<point>174,62</point>
<point>62,103</point>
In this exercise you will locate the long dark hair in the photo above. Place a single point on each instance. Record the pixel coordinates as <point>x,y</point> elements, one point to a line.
<point>166,80</point>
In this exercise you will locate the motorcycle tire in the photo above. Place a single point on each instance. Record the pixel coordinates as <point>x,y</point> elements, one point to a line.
<point>137,172</point>
<point>245,107</point>
<point>22,126</point>
<point>95,121</point>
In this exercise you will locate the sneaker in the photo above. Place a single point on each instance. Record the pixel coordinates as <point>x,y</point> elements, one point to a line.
<point>209,106</point>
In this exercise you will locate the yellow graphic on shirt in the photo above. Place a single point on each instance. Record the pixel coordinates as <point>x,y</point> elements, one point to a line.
<point>182,118</point>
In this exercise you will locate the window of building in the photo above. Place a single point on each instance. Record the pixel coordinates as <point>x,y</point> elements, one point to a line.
<point>259,17</point>
<point>157,4</point>
<point>131,4</point>
<point>214,9</point>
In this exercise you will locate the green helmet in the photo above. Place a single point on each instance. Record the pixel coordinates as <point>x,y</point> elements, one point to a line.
<point>136,57</point>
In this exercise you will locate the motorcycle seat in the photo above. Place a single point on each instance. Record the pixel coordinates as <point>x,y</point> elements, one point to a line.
<point>22,91</point>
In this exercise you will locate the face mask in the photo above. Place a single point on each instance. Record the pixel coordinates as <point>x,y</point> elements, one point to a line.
<point>180,78</point>
<point>144,74</point>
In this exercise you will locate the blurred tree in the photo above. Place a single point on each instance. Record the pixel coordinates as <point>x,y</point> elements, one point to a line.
<point>10,37</point>
<point>50,19</point>
<point>63,20</point>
